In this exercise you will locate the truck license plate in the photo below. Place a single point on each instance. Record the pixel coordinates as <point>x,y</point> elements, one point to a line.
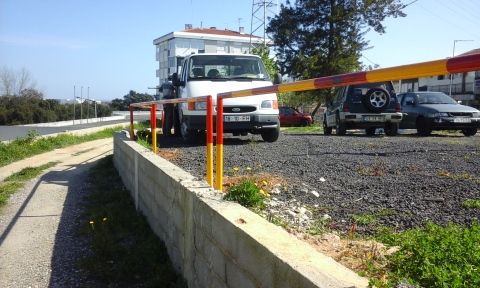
<point>236,118</point>
<point>462,120</point>
<point>373,118</point>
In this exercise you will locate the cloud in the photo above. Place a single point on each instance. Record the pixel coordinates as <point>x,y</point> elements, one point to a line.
<point>44,41</point>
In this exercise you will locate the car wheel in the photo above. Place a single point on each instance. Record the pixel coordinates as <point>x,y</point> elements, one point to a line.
<point>422,127</point>
<point>376,100</point>
<point>304,123</point>
<point>469,132</point>
<point>370,131</point>
<point>326,130</point>
<point>340,128</point>
<point>271,135</point>
<point>391,129</point>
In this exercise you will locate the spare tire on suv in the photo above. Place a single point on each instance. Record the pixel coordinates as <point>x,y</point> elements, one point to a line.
<point>376,100</point>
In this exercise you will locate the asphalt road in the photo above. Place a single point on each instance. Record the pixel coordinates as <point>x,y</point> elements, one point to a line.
<point>8,133</point>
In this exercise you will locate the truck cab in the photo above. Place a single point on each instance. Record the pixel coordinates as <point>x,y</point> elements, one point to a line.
<point>210,74</point>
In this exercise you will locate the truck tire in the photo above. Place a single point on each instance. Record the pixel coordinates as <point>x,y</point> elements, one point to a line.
<point>376,100</point>
<point>177,129</point>
<point>189,136</point>
<point>271,135</point>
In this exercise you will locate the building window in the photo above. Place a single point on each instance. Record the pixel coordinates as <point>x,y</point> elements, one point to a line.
<point>440,77</point>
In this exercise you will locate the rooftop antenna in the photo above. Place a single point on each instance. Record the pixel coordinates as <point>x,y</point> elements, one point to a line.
<point>261,11</point>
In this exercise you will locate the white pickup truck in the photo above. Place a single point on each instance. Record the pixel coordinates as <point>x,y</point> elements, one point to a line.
<point>210,74</point>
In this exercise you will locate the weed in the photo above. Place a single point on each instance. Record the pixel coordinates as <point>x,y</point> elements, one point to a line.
<point>365,219</point>
<point>471,203</point>
<point>377,170</point>
<point>247,194</point>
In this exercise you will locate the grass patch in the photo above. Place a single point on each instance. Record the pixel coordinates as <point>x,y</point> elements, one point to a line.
<point>30,172</point>
<point>7,189</point>
<point>433,256</point>
<point>471,203</point>
<point>15,182</point>
<point>33,144</point>
<point>126,253</point>
<point>314,128</point>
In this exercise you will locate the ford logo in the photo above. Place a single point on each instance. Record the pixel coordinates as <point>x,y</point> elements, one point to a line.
<point>236,109</point>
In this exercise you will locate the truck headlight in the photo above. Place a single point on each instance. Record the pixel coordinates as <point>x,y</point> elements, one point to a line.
<point>269,104</point>
<point>200,105</point>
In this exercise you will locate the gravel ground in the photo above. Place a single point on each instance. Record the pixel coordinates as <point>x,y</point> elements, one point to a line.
<point>402,181</point>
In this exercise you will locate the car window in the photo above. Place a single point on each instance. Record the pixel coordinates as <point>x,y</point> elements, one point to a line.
<point>409,99</point>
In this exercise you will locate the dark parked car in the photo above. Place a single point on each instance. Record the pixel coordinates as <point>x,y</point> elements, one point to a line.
<point>428,111</point>
<point>291,117</point>
<point>363,106</point>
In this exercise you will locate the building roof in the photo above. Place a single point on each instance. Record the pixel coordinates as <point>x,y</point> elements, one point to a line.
<point>212,34</point>
<point>471,52</point>
<point>214,31</point>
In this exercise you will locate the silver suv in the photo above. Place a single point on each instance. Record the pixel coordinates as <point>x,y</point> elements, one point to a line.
<point>363,106</point>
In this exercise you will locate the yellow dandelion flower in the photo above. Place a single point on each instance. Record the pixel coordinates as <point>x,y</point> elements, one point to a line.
<point>264,182</point>
<point>285,188</point>
<point>91,222</point>
<point>235,169</point>
<point>261,192</point>
<point>104,219</point>
<point>255,184</point>
<point>248,168</point>
<point>268,195</point>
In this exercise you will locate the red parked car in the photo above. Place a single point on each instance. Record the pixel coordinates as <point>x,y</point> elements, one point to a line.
<point>291,117</point>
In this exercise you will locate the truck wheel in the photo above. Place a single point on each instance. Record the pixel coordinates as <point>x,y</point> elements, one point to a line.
<point>271,135</point>
<point>189,136</point>
<point>177,129</point>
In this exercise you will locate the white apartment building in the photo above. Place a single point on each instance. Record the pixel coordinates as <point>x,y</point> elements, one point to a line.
<point>463,87</point>
<point>199,40</point>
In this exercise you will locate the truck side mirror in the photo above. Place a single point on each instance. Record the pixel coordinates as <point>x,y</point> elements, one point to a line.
<point>277,79</point>
<point>175,81</point>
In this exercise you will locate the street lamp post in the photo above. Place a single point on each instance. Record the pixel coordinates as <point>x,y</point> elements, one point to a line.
<point>453,55</point>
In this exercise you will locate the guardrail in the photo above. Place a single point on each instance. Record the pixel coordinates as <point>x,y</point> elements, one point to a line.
<point>153,121</point>
<point>424,69</point>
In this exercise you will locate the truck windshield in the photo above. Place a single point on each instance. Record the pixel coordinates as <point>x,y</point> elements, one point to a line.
<point>227,67</point>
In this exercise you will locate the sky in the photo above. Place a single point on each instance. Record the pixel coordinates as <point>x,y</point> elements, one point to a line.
<point>103,49</point>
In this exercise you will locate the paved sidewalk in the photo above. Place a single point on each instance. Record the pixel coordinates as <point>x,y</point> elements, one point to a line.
<point>37,240</point>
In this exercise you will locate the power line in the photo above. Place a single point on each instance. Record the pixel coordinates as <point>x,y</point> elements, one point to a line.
<point>463,16</point>
<point>448,21</point>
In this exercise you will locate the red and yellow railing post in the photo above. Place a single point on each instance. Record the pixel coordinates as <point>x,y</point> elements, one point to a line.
<point>132,137</point>
<point>209,140</point>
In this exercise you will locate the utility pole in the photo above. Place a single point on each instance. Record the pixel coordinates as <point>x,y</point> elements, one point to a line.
<point>453,55</point>
<point>81,105</point>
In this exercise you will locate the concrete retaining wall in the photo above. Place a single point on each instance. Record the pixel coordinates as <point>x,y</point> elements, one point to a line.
<point>216,243</point>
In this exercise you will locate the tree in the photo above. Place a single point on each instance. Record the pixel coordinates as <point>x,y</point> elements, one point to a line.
<point>270,63</point>
<point>324,38</point>
<point>13,83</point>
<point>131,97</point>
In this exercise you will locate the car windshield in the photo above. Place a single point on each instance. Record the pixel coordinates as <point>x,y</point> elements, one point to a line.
<point>227,67</point>
<point>435,98</point>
